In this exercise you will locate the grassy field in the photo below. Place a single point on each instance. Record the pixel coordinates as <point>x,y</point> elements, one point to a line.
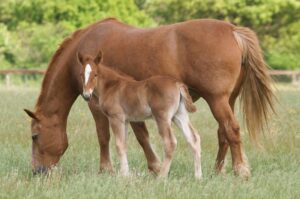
<point>275,168</point>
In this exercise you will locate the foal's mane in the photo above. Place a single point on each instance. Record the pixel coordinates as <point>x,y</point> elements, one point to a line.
<point>57,55</point>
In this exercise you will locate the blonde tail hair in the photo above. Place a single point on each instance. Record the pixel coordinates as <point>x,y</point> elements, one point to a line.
<point>257,96</point>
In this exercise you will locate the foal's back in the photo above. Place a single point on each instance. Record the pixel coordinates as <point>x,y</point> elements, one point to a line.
<point>162,92</point>
<point>141,99</point>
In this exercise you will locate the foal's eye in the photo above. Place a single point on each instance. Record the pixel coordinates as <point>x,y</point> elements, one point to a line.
<point>34,137</point>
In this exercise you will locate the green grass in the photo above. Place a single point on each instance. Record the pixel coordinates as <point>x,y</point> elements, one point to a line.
<point>275,169</point>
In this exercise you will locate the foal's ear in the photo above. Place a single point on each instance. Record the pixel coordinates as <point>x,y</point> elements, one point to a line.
<point>98,58</point>
<point>80,57</point>
<point>31,114</point>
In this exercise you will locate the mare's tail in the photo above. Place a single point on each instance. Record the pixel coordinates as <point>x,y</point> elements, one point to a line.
<point>186,98</point>
<point>256,94</point>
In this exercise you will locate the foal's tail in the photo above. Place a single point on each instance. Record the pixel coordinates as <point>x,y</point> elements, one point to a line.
<point>256,94</point>
<point>186,98</point>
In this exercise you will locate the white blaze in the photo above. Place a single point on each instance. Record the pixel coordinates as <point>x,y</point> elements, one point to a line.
<point>87,73</point>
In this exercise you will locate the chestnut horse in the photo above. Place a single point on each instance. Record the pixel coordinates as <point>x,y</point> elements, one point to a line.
<point>215,59</point>
<point>124,99</point>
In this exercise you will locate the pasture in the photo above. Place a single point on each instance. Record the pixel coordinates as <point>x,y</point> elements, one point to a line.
<point>275,167</point>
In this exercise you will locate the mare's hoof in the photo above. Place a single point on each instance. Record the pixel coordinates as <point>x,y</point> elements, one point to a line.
<point>154,169</point>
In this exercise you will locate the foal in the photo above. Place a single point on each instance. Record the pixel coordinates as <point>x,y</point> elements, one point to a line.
<point>123,100</point>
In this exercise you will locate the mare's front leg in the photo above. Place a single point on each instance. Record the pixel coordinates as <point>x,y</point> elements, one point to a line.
<point>119,129</point>
<point>102,126</point>
<point>142,135</point>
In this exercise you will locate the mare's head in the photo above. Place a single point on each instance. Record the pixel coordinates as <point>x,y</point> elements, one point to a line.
<point>88,73</point>
<point>49,142</point>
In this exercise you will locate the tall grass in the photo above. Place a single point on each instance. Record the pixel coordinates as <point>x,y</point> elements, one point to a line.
<point>275,168</point>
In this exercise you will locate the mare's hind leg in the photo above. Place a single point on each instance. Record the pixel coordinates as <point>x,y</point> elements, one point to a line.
<point>181,120</point>
<point>223,143</point>
<point>169,141</point>
<point>223,147</point>
<point>102,126</point>
<point>142,135</point>
<point>230,130</point>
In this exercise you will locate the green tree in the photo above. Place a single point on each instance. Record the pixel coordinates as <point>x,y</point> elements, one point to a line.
<point>32,29</point>
<point>275,21</point>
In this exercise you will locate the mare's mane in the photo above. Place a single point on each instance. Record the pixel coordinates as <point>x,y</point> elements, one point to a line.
<point>57,55</point>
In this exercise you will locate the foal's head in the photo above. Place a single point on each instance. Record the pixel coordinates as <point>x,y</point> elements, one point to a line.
<point>89,73</point>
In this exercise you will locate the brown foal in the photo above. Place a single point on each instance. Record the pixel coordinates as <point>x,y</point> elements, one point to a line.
<point>123,99</point>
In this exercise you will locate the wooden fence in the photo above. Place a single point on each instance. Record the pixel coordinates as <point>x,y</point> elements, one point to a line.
<point>9,72</point>
<point>294,75</point>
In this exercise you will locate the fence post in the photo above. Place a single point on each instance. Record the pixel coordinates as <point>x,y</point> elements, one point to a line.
<point>295,78</point>
<point>7,80</point>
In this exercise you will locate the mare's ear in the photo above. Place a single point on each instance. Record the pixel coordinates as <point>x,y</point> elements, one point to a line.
<point>80,57</point>
<point>98,58</point>
<point>31,114</point>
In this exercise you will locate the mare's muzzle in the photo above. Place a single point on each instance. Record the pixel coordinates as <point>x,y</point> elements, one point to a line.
<point>40,170</point>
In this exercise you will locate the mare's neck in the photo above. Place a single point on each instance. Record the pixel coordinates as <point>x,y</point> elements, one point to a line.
<point>59,91</point>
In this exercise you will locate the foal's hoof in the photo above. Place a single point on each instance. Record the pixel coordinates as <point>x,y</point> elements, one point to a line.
<point>198,177</point>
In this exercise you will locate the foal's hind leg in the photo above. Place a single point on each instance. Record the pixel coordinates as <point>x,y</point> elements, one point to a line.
<point>229,130</point>
<point>170,142</point>
<point>142,135</point>
<point>181,120</point>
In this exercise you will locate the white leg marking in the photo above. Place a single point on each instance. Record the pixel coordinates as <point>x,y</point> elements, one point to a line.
<point>181,120</point>
<point>87,73</point>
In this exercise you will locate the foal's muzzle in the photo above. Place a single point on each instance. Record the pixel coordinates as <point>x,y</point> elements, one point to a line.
<point>40,170</point>
<point>87,95</point>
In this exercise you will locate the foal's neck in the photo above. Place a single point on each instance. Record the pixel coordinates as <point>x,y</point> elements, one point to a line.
<point>110,78</point>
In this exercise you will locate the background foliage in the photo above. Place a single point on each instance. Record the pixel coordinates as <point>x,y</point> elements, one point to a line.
<point>30,30</point>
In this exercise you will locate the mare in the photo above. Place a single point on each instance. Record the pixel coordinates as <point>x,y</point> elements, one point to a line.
<point>123,99</point>
<point>216,60</point>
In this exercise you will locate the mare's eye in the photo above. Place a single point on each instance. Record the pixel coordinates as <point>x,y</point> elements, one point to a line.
<point>34,137</point>
<point>96,75</point>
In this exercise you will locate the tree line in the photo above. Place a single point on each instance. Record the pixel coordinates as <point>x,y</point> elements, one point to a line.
<point>31,30</point>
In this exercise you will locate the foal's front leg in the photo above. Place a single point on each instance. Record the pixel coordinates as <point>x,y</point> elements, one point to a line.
<point>119,128</point>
